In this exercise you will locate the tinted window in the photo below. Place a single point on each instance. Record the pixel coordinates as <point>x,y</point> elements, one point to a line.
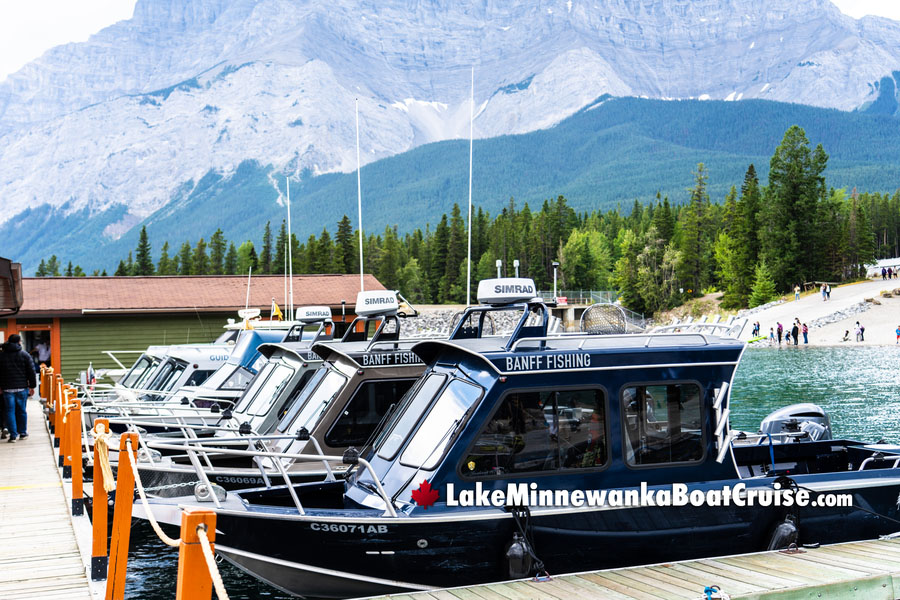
<point>408,415</point>
<point>316,404</point>
<point>238,380</point>
<point>298,389</point>
<point>542,431</point>
<point>270,389</point>
<point>427,446</point>
<point>139,371</point>
<point>364,412</point>
<point>199,376</point>
<point>663,424</point>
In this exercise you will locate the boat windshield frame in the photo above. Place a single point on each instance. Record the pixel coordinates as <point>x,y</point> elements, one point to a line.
<point>141,374</point>
<point>304,406</point>
<point>270,389</point>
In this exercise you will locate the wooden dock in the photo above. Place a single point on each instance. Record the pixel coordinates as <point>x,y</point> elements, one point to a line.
<point>857,570</point>
<point>39,554</point>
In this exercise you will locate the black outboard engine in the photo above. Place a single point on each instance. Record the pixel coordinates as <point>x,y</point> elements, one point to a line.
<point>806,418</point>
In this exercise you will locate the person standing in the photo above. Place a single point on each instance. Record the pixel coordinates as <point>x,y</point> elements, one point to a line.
<point>827,291</point>
<point>780,331</point>
<point>898,334</point>
<point>883,273</point>
<point>43,349</point>
<point>823,292</point>
<point>771,335</point>
<point>805,334</point>
<point>857,332</point>
<point>795,333</point>
<point>18,381</point>
<point>796,292</point>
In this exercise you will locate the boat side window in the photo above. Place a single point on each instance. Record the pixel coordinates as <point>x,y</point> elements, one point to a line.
<point>313,407</point>
<point>255,383</point>
<point>270,389</point>
<point>169,382</point>
<point>144,377</point>
<point>541,431</point>
<point>364,412</point>
<point>238,380</point>
<point>199,376</point>
<point>663,424</point>
<point>408,415</point>
<point>431,439</point>
<point>303,394</point>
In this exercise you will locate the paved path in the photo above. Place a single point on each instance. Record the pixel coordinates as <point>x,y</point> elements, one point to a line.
<point>39,557</point>
<point>810,306</point>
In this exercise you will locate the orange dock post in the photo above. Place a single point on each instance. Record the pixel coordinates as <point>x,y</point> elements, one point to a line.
<point>57,407</point>
<point>76,459</point>
<point>99,560</point>
<point>121,533</point>
<point>65,426</point>
<point>194,580</point>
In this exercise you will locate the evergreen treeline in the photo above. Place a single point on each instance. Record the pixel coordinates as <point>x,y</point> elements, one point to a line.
<point>757,241</point>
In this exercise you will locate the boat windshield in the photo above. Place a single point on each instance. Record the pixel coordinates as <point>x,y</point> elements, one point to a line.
<point>270,389</point>
<point>408,415</point>
<point>239,379</point>
<point>431,439</point>
<point>314,400</point>
<point>139,371</point>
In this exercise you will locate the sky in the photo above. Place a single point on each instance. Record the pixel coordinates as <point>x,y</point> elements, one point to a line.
<point>28,28</point>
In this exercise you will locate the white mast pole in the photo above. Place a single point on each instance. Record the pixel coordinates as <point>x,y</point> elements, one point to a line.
<point>247,301</point>
<point>290,257</point>
<point>469,256</point>
<point>362,286</point>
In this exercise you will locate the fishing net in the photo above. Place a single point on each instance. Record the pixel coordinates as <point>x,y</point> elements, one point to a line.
<point>603,319</point>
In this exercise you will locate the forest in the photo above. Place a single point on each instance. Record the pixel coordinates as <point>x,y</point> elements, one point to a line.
<point>752,244</point>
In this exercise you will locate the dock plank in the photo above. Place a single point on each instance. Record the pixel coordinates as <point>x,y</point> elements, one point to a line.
<point>39,556</point>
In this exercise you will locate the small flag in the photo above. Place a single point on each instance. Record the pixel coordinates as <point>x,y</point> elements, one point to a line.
<point>276,312</point>
<point>91,376</point>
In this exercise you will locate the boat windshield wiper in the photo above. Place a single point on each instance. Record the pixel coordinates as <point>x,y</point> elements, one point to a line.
<point>378,428</point>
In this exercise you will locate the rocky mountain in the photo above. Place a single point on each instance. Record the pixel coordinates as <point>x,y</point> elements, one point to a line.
<point>117,127</point>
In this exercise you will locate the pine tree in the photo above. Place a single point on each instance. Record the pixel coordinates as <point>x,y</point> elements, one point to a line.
<point>200,259</point>
<point>279,263</point>
<point>144,262</point>
<point>217,248</point>
<point>164,266</point>
<point>325,257</point>
<point>41,270</point>
<point>456,253</point>
<point>345,252</point>
<point>103,274</point>
<point>265,256</point>
<point>246,258</point>
<point>69,269</point>
<point>78,272</point>
<point>129,265</point>
<point>52,268</point>
<point>231,260</point>
<point>121,270</point>
<point>746,236</point>
<point>694,235</point>
<point>186,259</point>
<point>438,262</point>
<point>763,286</point>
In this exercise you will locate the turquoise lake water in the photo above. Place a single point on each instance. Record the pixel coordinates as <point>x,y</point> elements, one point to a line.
<point>858,386</point>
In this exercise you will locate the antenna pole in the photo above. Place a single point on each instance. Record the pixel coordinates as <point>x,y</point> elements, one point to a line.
<point>469,255</point>
<point>247,301</point>
<point>290,257</point>
<point>362,286</point>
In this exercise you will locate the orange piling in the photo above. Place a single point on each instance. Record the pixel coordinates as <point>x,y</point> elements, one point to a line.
<point>76,459</point>
<point>56,384</point>
<point>194,580</point>
<point>65,426</point>
<point>121,533</point>
<point>99,560</point>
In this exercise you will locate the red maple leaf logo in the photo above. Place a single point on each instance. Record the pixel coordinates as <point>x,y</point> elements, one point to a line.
<point>425,496</point>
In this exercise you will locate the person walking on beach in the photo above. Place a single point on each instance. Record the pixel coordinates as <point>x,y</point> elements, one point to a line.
<point>780,331</point>
<point>18,381</point>
<point>805,334</point>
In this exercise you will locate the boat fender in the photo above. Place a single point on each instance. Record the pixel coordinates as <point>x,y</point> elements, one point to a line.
<point>245,428</point>
<point>785,534</point>
<point>518,558</point>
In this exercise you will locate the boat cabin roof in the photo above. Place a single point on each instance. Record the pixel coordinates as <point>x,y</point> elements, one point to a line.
<point>388,353</point>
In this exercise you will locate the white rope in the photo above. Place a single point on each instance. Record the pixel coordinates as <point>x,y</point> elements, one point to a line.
<point>140,487</point>
<point>101,443</point>
<point>211,563</point>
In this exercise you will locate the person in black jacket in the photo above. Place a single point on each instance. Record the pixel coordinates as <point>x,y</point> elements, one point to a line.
<point>17,380</point>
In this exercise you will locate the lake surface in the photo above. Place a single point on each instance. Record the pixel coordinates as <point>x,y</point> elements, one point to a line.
<point>859,387</point>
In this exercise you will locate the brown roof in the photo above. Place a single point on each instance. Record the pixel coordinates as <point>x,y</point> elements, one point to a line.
<point>208,293</point>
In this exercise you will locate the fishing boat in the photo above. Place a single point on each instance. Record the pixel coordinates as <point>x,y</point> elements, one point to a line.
<point>324,397</point>
<point>492,465</point>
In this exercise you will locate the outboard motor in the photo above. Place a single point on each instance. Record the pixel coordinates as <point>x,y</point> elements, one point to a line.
<point>806,418</point>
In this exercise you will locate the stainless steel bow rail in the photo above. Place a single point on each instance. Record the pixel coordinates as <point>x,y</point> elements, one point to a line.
<point>197,571</point>
<point>195,447</point>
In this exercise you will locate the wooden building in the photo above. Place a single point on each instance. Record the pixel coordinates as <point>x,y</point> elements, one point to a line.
<point>81,317</point>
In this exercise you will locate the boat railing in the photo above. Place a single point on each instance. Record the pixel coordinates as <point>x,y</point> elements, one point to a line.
<point>585,339</point>
<point>193,449</point>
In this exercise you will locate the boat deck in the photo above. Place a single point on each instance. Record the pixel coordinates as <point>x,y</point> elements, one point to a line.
<point>39,555</point>
<point>869,570</point>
